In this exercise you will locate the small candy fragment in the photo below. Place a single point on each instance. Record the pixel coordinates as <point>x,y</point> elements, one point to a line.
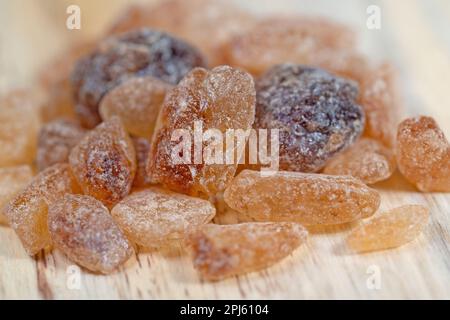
<point>381,103</point>
<point>137,103</point>
<point>55,141</point>
<point>142,148</point>
<point>310,199</point>
<point>140,53</point>
<point>423,154</point>
<point>315,112</point>
<point>104,162</point>
<point>220,99</point>
<point>19,125</point>
<point>12,181</point>
<point>153,216</point>
<point>27,212</point>
<point>390,229</point>
<point>82,228</point>
<point>367,160</point>
<point>221,251</point>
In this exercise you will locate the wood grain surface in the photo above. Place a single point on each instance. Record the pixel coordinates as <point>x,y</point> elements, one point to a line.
<point>414,36</point>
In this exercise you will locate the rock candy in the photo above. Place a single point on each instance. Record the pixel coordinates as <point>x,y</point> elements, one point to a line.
<point>27,211</point>
<point>153,216</point>
<point>82,228</point>
<point>390,229</point>
<point>221,251</point>
<point>223,98</point>
<point>423,154</point>
<point>104,162</point>
<point>142,148</point>
<point>310,199</point>
<point>367,160</point>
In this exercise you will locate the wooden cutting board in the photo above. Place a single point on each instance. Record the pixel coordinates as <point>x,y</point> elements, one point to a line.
<point>414,36</point>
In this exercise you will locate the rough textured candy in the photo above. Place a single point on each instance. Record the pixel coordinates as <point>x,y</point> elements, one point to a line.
<point>153,216</point>
<point>137,103</point>
<point>223,98</point>
<point>12,181</point>
<point>381,103</point>
<point>309,199</point>
<point>390,229</point>
<point>195,21</point>
<point>367,160</point>
<point>19,124</point>
<point>142,148</point>
<point>221,251</point>
<point>315,112</point>
<point>423,154</point>
<point>302,40</point>
<point>82,228</point>
<point>104,162</point>
<point>143,52</point>
<point>27,212</point>
<point>55,141</point>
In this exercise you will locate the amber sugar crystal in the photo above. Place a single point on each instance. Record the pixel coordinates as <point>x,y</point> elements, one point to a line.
<point>104,162</point>
<point>221,251</point>
<point>390,229</point>
<point>142,148</point>
<point>137,102</point>
<point>19,124</point>
<point>27,211</point>
<point>222,98</point>
<point>154,216</point>
<point>12,181</point>
<point>423,154</point>
<point>367,160</point>
<point>310,199</point>
<point>82,228</point>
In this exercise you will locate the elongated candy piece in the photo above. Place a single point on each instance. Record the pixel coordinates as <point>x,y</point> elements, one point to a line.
<point>27,212</point>
<point>390,229</point>
<point>309,199</point>
<point>221,251</point>
<point>152,216</point>
<point>82,228</point>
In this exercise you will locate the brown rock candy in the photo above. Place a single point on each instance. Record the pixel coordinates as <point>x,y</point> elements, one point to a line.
<point>223,98</point>
<point>142,148</point>
<point>367,160</point>
<point>139,53</point>
<point>12,181</point>
<point>136,102</point>
<point>27,211</point>
<point>423,154</point>
<point>55,141</point>
<point>104,162</point>
<point>19,124</point>
<point>390,229</point>
<point>153,216</point>
<point>82,228</point>
<point>221,251</point>
<point>310,199</point>
<point>195,21</point>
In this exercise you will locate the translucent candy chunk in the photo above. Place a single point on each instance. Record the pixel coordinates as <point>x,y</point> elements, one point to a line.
<point>152,216</point>
<point>19,125</point>
<point>423,154</point>
<point>221,251</point>
<point>142,148</point>
<point>220,99</point>
<point>104,162</point>
<point>316,113</point>
<point>27,211</point>
<point>12,181</point>
<point>309,199</point>
<point>390,229</point>
<point>82,228</point>
<point>56,139</point>
<point>367,160</point>
<point>137,102</point>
